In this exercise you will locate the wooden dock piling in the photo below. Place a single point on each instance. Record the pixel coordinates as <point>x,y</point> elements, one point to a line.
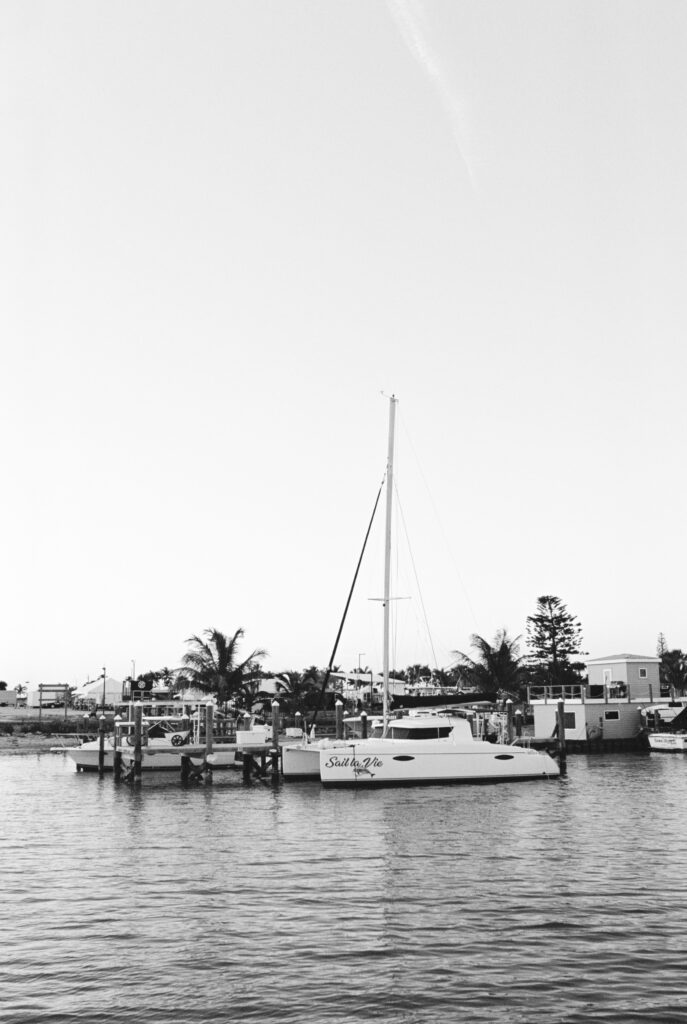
<point>209,740</point>
<point>209,729</point>
<point>117,754</point>
<point>101,747</point>
<point>276,726</point>
<point>338,711</point>
<point>560,719</point>
<point>509,721</point>
<point>138,744</point>
<point>363,724</point>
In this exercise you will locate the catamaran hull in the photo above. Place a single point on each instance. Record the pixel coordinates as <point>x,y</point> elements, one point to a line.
<point>391,763</point>
<point>302,760</point>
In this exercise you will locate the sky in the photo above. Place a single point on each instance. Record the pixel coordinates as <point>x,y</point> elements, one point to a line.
<point>231,230</point>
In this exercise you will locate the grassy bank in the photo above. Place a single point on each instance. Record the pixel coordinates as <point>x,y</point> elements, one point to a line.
<point>26,743</point>
<point>22,733</point>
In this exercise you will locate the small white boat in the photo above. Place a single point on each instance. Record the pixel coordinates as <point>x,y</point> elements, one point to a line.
<point>668,742</point>
<point>667,725</point>
<point>166,739</point>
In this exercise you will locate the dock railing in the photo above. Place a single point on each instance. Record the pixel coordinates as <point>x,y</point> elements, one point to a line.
<point>614,690</point>
<point>550,693</point>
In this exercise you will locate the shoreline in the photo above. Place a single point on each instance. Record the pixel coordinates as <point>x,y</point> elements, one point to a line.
<point>28,743</point>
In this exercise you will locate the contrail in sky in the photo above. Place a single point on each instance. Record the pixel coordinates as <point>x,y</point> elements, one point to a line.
<point>412,23</point>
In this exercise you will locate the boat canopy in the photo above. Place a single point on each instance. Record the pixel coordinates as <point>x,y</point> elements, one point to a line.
<point>447,699</point>
<point>679,722</point>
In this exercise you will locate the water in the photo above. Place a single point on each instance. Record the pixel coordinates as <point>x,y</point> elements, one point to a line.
<point>558,901</point>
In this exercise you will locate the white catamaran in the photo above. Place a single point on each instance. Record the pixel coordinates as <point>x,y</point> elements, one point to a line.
<point>420,748</point>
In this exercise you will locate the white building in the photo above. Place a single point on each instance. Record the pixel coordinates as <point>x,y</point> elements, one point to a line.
<point>109,692</point>
<point>618,674</point>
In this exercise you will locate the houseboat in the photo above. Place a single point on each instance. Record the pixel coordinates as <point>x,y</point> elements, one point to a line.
<point>605,711</point>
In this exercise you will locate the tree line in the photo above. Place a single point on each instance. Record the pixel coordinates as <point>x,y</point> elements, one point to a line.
<point>214,664</point>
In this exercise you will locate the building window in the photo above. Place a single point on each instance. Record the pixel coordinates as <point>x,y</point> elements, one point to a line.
<point>611,716</point>
<point>642,673</point>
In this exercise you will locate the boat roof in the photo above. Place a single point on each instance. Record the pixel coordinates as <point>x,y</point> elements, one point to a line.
<point>424,721</point>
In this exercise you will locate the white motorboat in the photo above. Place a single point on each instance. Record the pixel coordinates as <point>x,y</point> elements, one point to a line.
<point>671,737</point>
<point>668,742</point>
<point>165,740</point>
<point>414,749</point>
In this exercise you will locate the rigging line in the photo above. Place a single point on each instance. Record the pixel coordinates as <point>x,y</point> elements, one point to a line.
<point>441,525</point>
<point>417,581</point>
<point>345,613</point>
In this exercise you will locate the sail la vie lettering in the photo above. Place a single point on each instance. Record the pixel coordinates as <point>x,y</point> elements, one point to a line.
<point>354,762</point>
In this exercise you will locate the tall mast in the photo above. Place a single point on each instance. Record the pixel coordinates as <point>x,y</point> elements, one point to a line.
<point>387,558</point>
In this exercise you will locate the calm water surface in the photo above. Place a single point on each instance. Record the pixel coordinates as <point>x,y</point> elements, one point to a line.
<point>558,901</point>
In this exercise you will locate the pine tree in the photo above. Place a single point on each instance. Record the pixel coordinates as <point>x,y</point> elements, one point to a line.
<point>554,638</point>
<point>661,645</point>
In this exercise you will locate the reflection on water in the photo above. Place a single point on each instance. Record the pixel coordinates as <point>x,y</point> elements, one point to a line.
<point>523,902</point>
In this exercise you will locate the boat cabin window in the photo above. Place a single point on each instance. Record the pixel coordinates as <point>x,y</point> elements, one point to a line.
<point>429,732</point>
<point>611,716</point>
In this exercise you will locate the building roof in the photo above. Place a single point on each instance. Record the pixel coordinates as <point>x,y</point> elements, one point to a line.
<point>614,658</point>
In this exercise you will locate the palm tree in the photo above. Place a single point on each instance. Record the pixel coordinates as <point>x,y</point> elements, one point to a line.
<point>298,690</point>
<point>213,665</point>
<point>414,673</point>
<point>249,693</point>
<point>496,666</point>
<point>313,674</point>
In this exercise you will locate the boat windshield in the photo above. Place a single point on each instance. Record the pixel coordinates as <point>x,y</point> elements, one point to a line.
<point>425,732</point>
